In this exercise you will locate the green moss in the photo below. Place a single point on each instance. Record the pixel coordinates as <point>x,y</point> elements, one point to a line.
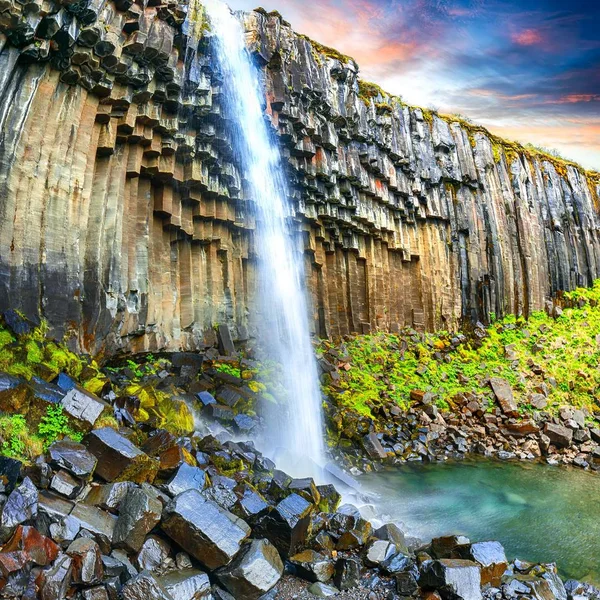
<point>54,425</point>
<point>385,368</point>
<point>326,51</point>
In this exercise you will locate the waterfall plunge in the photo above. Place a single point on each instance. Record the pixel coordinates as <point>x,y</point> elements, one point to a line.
<point>282,299</point>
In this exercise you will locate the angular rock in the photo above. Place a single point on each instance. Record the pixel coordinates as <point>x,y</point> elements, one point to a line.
<point>139,512</point>
<point>504,396</point>
<point>392,533</point>
<point>559,435</point>
<point>202,528</point>
<point>21,506</point>
<point>206,398</point>
<point>186,584</point>
<point>492,559</point>
<point>99,523</point>
<point>306,488</point>
<point>145,586</point>
<point>322,590</point>
<point>454,579</point>
<point>95,593</point>
<point>250,505</point>
<point>153,553</point>
<point>10,471</point>
<point>34,547</point>
<point>118,458</point>
<point>56,580</point>
<point>286,525</point>
<point>109,495</point>
<point>253,572</point>
<point>448,546</point>
<point>82,405</point>
<point>73,457</point>
<point>86,561</point>
<point>378,552</point>
<point>329,498</point>
<point>186,478</point>
<point>312,566</point>
<point>65,484</point>
<point>373,447</point>
<point>347,573</point>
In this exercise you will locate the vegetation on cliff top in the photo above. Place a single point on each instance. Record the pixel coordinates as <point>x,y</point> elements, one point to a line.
<point>561,353</point>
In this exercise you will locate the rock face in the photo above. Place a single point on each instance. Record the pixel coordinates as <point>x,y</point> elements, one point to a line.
<point>131,229</point>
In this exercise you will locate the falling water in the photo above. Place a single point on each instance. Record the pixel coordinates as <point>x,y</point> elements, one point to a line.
<point>282,298</point>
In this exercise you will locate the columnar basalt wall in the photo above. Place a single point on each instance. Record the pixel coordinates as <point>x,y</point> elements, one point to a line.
<point>123,217</point>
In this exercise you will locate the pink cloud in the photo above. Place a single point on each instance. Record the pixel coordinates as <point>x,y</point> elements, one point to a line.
<point>527,37</point>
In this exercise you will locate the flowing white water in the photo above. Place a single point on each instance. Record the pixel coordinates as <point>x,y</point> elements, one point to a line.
<point>284,329</point>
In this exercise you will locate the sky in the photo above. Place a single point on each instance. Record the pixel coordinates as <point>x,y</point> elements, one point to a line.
<point>528,70</point>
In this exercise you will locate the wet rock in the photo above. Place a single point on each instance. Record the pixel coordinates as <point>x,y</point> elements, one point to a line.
<point>244,423</point>
<point>347,573</point>
<point>173,458</point>
<point>378,552</point>
<point>329,498</point>
<point>373,447</point>
<point>109,495</point>
<point>73,457</point>
<point>82,405</point>
<point>186,584</point>
<point>312,566</point>
<point>322,590</point>
<point>143,587</point>
<point>95,593</point>
<point>228,396</point>
<point>118,458</point>
<point>454,579</point>
<point>138,514</point>
<point>226,346</point>
<point>21,506</point>
<point>206,398</point>
<point>250,505</point>
<point>153,553</point>
<point>30,543</point>
<point>504,396</point>
<point>65,484</point>
<point>492,559</point>
<point>56,580</point>
<point>10,471</point>
<point>559,435</point>
<point>253,572</point>
<point>406,583</point>
<point>448,546</point>
<point>99,523</point>
<point>397,563</point>
<point>186,478</point>
<point>86,561</point>
<point>392,533</point>
<point>286,525</point>
<point>202,528</point>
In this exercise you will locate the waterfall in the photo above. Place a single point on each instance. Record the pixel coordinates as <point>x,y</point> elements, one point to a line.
<point>283,306</point>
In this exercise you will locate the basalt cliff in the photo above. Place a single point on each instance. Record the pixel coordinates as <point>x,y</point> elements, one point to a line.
<point>124,221</point>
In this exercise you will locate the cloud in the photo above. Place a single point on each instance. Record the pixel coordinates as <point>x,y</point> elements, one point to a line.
<point>527,37</point>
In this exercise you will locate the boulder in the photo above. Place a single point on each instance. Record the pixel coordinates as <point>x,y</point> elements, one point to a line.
<point>73,457</point>
<point>373,447</point>
<point>153,553</point>
<point>202,528</point>
<point>448,546</point>
<point>186,584</point>
<point>454,579</point>
<point>253,572</point>
<point>10,471</point>
<point>559,435</point>
<point>286,525</point>
<point>347,573</point>
<point>312,566</point>
<point>56,580</point>
<point>492,559</point>
<point>118,458</point>
<point>20,507</point>
<point>186,478</point>
<point>145,586</point>
<point>329,498</point>
<point>139,512</point>
<point>32,545</point>
<point>109,495</point>
<point>86,561</point>
<point>504,396</point>
<point>306,488</point>
<point>99,523</point>
<point>322,590</point>
<point>65,484</point>
<point>392,533</point>
<point>95,593</point>
<point>378,552</point>
<point>83,406</point>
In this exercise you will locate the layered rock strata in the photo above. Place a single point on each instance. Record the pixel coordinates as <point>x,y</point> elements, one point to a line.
<point>123,217</point>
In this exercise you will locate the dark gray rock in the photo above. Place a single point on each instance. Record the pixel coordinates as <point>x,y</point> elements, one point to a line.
<point>118,458</point>
<point>448,546</point>
<point>504,396</point>
<point>86,561</point>
<point>286,525</point>
<point>99,523</point>
<point>186,584</point>
<point>329,498</point>
<point>392,533</point>
<point>250,505</point>
<point>56,580</point>
<point>21,506</point>
<point>347,573</point>
<point>378,552</point>
<point>73,457</point>
<point>139,512</point>
<point>454,579</point>
<point>10,471</point>
<point>82,405</point>
<point>206,398</point>
<point>65,484</point>
<point>95,593</point>
<point>145,586</point>
<point>109,495</point>
<point>153,553</point>
<point>253,572</point>
<point>226,346</point>
<point>322,590</point>
<point>186,478</point>
<point>373,447</point>
<point>202,528</point>
<point>312,566</point>
<point>492,559</point>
